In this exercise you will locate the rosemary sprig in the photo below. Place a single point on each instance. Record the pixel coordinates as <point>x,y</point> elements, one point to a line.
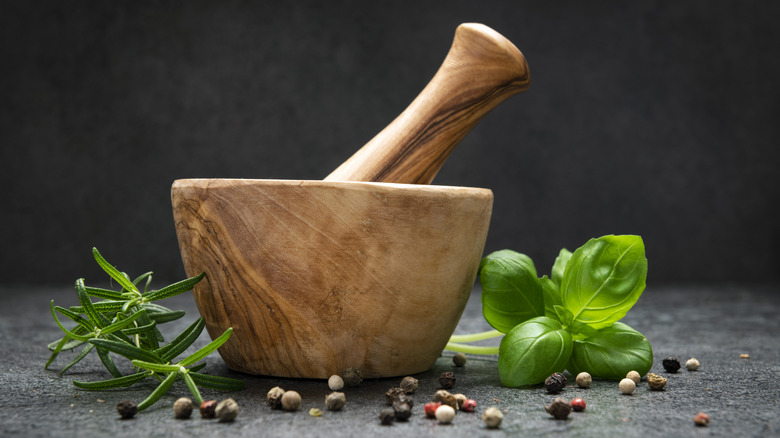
<point>125,323</point>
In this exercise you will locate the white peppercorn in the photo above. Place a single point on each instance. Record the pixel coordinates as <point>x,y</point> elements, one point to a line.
<point>656,382</point>
<point>182,408</point>
<point>335,401</point>
<point>692,364</point>
<point>627,386</point>
<point>227,410</point>
<point>583,380</point>
<point>335,383</point>
<point>633,375</point>
<point>274,397</point>
<point>492,417</point>
<point>291,401</point>
<point>445,414</point>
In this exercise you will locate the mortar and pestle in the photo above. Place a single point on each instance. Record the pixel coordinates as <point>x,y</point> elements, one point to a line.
<point>370,268</point>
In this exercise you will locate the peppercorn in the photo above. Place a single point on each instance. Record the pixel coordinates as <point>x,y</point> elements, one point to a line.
<point>386,416</point>
<point>445,414</point>
<point>403,410</point>
<point>335,383</point>
<point>555,383</point>
<point>492,417</point>
<point>207,408</point>
<point>656,382</point>
<point>335,401</point>
<point>352,377</point>
<point>430,409</point>
<point>274,398</point>
<point>393,394</point>
<point>459,359</point>
<point>692,364</point>
<point>182,408</point>
<point>459,400</point>
<point>701,419</point>
<point>671,364</point>
<point>447,380</point>
<point>227,410</point>
<point>127,409</point>
<point>291,401</point>
<point>578,404</point>
<point>627,386</point>
<point>445,398</point>
<point>469,405</point>
<point>409,384</point>
<point>633,375</point>
<point>559,408</point>
<point>583,380</point>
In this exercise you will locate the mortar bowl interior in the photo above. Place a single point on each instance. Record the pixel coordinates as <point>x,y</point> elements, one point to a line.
<point>315,277</point>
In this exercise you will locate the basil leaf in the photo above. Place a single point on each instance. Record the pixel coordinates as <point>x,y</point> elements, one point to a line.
<point>552,296</point>
<point>604,278</point>
<point>611,353</point>
<point>532,351</point>
<point>559,266</point>
<point>511,293</point>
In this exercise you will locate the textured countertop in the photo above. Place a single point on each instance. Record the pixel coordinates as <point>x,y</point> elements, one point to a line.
<point>715,324</point>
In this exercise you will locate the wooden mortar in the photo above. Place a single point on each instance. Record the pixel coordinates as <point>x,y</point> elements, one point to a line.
<point>356,271</point>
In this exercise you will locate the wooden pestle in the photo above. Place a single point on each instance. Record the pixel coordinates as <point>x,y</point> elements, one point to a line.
<point>481,70</point>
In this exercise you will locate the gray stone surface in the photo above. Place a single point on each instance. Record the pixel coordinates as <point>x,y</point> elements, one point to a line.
<point>714,324</point>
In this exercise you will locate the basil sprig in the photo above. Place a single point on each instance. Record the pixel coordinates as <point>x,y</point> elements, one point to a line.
<point>568,320</point>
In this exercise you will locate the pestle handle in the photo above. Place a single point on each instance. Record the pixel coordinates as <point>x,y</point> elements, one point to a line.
<point>481,70</point>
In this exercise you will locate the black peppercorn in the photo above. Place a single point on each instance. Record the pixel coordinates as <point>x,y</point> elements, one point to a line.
<point>671,364</point>
<point>447,380</point>
<point>386,416</point>
<point>392,394</point>
<point>559,408</point>
<point>555,383</point>
<point>352,377</point>
<point>402,410</point>
<point>127,409</point>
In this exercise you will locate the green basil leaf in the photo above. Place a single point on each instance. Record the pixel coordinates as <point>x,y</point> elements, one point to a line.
<point>611,353</point>
<point>552,296</point>
<point>564,315</point>
<point>532,351</point>
<point>604,278</point>
<point>559,267</point>
<point>511,293</point>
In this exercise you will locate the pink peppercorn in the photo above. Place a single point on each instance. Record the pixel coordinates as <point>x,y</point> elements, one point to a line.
<point>578,404</point>
<point>469,405</point>
<point>430,409</point>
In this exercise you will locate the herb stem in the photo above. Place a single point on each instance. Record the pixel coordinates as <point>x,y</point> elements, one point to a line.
<point>474,337</point>
<point>471,349</point>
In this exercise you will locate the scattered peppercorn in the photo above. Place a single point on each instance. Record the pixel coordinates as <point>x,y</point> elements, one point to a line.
<point>409,384</point>
<point>402,409</point>
<point>227,410</point>
<point>555,383</point>
<point>127,409</point>
<point>583,380</point>
<point>559,408</point>
<point>701,419</point>
<point>430,409</point>
<point>291,401</point>
<point>627,386</point>
<point>445,398</point>
<point>445,414</point>
<point>459,400</point>
<point>459,359</point>
<point>692,364</point>
<point>633,375</point>
<point>392,394</point>
<point>335,401</point>
<point>578,404</point>
<point>469,405</point>
<point>314,412</point>
<point>352,377</point>
<point>671,364</point>
<point>335,383</point>
<point>274,398</point>
<point>447,380</point>
<point>207,408</point>
<point>386,416</point>
<point>492,417</point>
<point>656,382</point>
<point>182,408</point>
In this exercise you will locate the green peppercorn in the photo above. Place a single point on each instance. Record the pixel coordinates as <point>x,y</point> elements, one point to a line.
<point>656,382</point>
<point>459,359</point>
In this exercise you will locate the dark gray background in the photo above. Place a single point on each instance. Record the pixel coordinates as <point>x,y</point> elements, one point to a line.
<point>650,118</point>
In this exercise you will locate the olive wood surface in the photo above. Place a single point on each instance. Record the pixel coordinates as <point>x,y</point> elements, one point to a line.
<point>317,276</point>
<point>481,70</point>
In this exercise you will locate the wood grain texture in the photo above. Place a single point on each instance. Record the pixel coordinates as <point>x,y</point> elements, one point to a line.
<point>481,70</point>
<point>315,277</point>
